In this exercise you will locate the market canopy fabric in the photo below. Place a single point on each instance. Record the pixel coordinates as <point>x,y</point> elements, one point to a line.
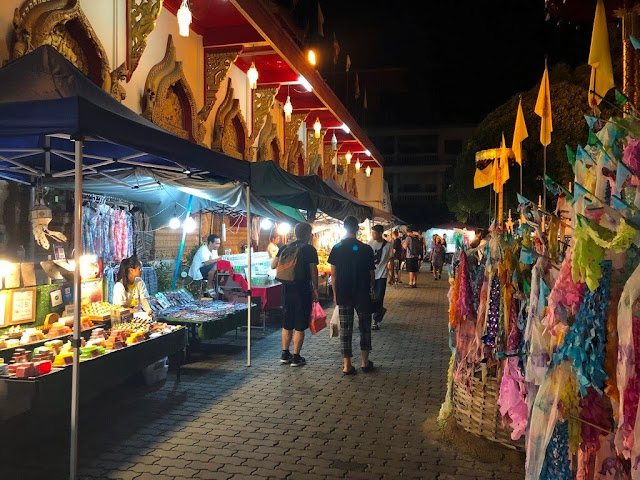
<point>357,209</point>
<point>44,98</point>
<point>161,195</point>
<point>273,183</point>
<point>377,213</point>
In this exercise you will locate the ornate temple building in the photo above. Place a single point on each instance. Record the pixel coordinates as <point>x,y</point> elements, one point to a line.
<point>198,86</point>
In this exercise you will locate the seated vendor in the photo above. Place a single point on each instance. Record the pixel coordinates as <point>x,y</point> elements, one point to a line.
<point>130,290</point>
<point>205,259</point>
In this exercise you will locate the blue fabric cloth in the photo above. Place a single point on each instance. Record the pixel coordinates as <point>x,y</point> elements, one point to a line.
<point>557,464</point>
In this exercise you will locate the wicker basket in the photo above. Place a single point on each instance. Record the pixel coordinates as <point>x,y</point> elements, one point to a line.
<point>477,411</point>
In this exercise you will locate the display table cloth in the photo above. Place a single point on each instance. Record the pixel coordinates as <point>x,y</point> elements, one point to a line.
<point>271,294</point>
<point>210,328</point>
<point>52,392</point>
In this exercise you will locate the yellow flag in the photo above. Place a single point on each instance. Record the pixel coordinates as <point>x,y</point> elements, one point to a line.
<point>484,177</point>
<point>600,58</point>
<point>501,173</point>
<point>543,109</point>
<point>519,134</point>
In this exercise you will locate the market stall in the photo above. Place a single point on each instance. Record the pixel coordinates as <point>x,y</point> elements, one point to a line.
<point>55,123</point>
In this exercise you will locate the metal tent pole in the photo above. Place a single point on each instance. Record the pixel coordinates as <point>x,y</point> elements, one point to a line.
<point>181,249</point>
<point>248,276</point>
<point>77,290</point>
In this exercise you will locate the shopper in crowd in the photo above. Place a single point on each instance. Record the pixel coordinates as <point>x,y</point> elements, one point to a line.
<point>204,262</point>
<point>273,247</point>
<point>381,255</point>
<point>353,275</point>
<point>412,249</point>
<point>299,291</point>
<point>437,258</point>
<point>420,240</point>
<point>434,237</point>
<point>444,242</point>
<point>397,258</point>
<point>130,290</point>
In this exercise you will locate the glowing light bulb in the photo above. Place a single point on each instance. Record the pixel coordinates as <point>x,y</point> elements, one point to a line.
<point>368,171</point>
<point>367,153</point>
<point>345,128</point>
<point>266,224</point>
<point>311,56</point>
<point>189,225</point>
<point>357,165</point>
<point>184,18</point>
<point>252,75</point>
<point>348,156</point>
<point>174,223</point>
<point>288,109</point>
<point>283,229</point>
<point>317,127</point>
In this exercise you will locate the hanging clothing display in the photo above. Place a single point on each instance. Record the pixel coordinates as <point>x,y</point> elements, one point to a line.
<point>107,231</point>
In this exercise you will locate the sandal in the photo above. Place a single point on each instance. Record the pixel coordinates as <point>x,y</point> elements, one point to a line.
<point>353,371</point>
<point>368,368</point>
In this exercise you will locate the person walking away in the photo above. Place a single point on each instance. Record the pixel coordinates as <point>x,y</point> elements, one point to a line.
<point>397,257</point>
<point>411,245</point>
<point>434,238</point>
<point>437,258</point>
<point>296,264</point>
<point>272,248</point>
<point>353,274</point>
<point>420,239</point>
<point>381,255</point>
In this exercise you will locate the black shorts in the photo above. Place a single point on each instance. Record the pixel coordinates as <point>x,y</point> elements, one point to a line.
<point>204,271</point>
<point>297,309</point>
<point>412,264</point>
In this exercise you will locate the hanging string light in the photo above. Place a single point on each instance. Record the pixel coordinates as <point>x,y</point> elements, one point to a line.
<point>317,127</point>
<point>368,171</point>
<point>184,18</point>
<point>252,75</point>
<point>311,57</point>
<point>334,142</point>
<point>174,223</point>
<point>189,225</point>
<point>357,165</point>
<point>348,156</point>
<point>288,109</point>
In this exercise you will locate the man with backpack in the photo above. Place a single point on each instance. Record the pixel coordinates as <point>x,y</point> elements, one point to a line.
<point>352,277</point>
<point>296,267</point>
<point>381,256</point>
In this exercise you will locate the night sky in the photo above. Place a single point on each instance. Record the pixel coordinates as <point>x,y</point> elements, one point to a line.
<point>455,60</point>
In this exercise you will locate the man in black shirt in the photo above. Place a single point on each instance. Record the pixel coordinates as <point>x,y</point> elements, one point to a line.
<point>299,294</point>
<point>352,277</point>
<point>397,258</point>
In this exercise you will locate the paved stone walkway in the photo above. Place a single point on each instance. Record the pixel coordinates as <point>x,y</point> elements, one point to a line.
<point>224,420</point>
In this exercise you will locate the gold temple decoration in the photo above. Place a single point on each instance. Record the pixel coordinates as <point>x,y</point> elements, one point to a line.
<point>269,147</point>
<point>216,66</point>
<point>314,154</point>
<point>141,20</point>
<point>294,147</point>
<point>230,133</point>
<point>328,155</point>
<point>169,101</point>
<point>63,25</point>
<point>118,75</point>
<point>263,99</point>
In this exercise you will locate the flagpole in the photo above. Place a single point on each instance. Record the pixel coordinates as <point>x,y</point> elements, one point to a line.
<point>521,178</point>
<point>544,190</point>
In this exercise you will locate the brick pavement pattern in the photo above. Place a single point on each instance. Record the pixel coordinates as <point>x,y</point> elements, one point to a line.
<point>226,421</point>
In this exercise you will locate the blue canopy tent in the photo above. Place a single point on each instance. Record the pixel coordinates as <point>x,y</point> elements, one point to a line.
<point>55,122</point>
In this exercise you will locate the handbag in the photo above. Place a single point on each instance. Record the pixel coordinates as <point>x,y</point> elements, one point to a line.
<point>318,318</point>
<point>334,326</point>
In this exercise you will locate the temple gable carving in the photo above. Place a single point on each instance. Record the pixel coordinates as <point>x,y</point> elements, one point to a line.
<point>230,133</point>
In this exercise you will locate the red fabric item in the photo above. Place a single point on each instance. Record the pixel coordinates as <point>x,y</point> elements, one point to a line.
<point>271,295</point>
<point>318,318</point>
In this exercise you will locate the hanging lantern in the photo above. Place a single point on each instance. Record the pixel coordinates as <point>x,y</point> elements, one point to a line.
<point>316,127</point>
<point>348,156</point>
<point>252,75</point>
<point>288,109</point>
<point>334,142</point>
<point>358,165</point>
<point>184,18</point>
<point>368,171</point>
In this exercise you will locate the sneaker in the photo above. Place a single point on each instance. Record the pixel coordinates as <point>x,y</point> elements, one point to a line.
<point>414,286</point>
<point>298,361</point>
<point>375,327</point>
<point>286,357</point>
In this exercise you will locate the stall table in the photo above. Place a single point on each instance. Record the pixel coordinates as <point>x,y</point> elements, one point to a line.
<point>52,392</point>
